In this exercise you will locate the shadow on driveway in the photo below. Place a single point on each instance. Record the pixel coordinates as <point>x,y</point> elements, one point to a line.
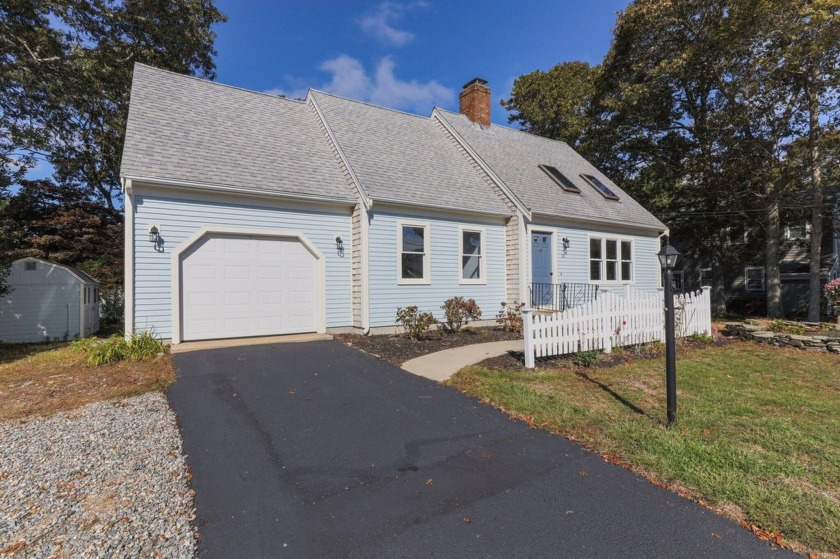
<point>318,450</point>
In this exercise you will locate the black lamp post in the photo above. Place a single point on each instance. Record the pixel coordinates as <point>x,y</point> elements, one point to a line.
<point>668,259</point>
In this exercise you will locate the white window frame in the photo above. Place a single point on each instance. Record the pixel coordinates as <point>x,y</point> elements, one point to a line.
<point>427,245</point>
<point>807,235</point>
<point>619,239</point>
<point>747,271</point>
<point>482,269</point>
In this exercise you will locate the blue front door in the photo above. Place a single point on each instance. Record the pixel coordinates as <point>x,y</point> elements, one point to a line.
<point>542,269</point>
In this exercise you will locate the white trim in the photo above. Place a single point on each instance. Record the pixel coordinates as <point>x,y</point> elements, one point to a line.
<point>700,277</point>
<point>619,239</point>
<point>484,166</point>
<point>524,255</point>
<point>807,226</point>
<point>82,293</point>
<point>746,278</point>
<point>321,324</point>
<point>310,99</point>
<point>238,190</point>
<point>365,270</point>
<point>589,221</point>
<point>482,257</point>
<point>427,245</point>
<point>128,257</point>
<point>438,207</point>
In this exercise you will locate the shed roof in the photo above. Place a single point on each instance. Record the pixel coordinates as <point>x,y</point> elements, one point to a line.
<point>80,275</point>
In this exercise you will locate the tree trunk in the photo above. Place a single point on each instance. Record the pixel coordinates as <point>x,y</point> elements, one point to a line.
<point>815,257</point>
<point>773,283</point>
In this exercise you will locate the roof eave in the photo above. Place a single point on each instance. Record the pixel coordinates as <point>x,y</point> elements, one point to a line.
<point>591,220</point>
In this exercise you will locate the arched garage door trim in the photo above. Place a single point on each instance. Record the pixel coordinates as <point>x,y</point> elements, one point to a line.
<point>245,232</point>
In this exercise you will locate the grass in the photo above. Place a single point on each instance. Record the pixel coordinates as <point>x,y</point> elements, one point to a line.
<point>757,435</point>
<point>40,379</point>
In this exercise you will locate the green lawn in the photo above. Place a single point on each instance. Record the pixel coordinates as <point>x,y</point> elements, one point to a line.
<point>757,436</point>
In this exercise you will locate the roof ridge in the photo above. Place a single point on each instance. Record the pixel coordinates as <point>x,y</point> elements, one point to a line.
<point>219,84</point>
<point>512,129</point>
<point>369,104</point>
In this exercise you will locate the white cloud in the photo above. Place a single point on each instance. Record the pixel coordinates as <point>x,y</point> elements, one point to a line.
<point>350,79</point>
<point>381,23</point>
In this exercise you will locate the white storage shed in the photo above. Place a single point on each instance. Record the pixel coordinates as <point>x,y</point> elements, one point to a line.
<point>48,302</point>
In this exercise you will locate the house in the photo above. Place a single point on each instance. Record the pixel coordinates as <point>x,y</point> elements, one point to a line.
<point>48,302</point>
<point>249,214</point>
<point>744,273</point>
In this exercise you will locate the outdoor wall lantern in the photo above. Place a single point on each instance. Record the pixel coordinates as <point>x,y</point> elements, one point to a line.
<point>668,259</point>
<point>339,246</point>
<point>154,234</point>
<point>566,244</point>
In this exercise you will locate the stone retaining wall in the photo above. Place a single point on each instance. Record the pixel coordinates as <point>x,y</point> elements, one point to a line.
<point>812,342</point>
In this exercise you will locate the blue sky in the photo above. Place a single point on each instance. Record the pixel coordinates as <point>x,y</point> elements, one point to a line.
<point>411,54</point>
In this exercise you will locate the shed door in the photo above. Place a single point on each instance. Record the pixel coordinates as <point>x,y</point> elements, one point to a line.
<point>237,286</point>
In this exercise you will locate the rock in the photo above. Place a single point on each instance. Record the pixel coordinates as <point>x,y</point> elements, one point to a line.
<point>763,335</point>
<point>801,338</point>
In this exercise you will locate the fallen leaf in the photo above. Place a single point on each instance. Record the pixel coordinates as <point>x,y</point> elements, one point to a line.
<point>466,520</point>
<point>429,481</point>
<point>716,535</point>
<point>582,473</point>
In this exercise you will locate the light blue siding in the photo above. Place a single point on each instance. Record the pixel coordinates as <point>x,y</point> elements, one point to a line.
<point>179,218</point>
<point>386,295</point>
<point>573,267</point>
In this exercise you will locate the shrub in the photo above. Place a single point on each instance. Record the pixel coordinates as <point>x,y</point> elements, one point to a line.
<point>510,317</point>
<point>414,322</point>
<point>104,351</point>
<point>785,327</point>
<point>702,338</point>
<point>459,312</point>
<point>832,290</point>
<point>586,358</point>
<point>112,306</point>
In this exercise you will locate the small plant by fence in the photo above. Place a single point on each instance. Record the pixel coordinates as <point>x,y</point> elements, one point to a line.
<point>611,320</point>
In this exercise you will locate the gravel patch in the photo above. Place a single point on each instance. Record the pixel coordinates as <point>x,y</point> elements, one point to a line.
<point>106,480</point>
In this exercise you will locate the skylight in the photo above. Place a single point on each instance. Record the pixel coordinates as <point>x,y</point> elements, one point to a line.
<point>600,187</point>
<point>560,178</point>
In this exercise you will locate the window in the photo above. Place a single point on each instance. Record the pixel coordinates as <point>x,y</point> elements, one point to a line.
<point>413,244</point>
<point>30,266</point>
<point>560,178</point>
<point>610,260</point>
<point>605,190</point>
<point>754,278</point>
<point>705,277</point>
<point>472,256</point>
<point>797,231</point>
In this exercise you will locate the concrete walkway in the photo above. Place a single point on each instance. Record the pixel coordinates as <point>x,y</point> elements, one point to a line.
<point>441,365</point>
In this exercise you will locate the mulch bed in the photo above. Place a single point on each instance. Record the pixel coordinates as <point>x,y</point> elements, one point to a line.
<point>399,349</point>
<point>515,361</point>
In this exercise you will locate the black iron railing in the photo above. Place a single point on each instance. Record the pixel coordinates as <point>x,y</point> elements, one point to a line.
<point>561,296</point>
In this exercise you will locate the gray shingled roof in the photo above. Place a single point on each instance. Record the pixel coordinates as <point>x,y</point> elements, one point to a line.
<point>515,157</point>
<point>398,156</point>
<point>189,129</point>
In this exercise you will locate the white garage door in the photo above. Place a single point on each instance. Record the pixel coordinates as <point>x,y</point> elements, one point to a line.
<point>237,286</point>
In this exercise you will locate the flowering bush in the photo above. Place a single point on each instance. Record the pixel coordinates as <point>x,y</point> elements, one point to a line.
<point>459,312</point>
<point>414,322</point>
<point>832,290</point>
<point>510,317</point>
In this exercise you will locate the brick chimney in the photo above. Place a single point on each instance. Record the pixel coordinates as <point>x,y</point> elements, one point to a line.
<point>475,101</point>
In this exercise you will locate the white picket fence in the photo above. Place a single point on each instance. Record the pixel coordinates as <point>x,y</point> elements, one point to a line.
<point>611,320</point>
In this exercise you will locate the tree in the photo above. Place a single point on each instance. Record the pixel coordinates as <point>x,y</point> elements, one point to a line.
<point>554,104</point>
<point>66,225</point>
<point>65,75</point>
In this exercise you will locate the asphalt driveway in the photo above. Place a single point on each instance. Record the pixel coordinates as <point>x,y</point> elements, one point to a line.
<point>318,450</point>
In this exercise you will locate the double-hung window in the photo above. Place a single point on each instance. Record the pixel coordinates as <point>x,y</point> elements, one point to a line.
<point>472,256</point>
<point>754,278</point>
<point>610,259</point>
<point>413,246</point>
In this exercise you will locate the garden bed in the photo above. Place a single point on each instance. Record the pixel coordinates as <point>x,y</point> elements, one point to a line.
<point>399,348</point>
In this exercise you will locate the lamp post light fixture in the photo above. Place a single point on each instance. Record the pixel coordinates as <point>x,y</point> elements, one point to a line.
<point>667,260</point>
